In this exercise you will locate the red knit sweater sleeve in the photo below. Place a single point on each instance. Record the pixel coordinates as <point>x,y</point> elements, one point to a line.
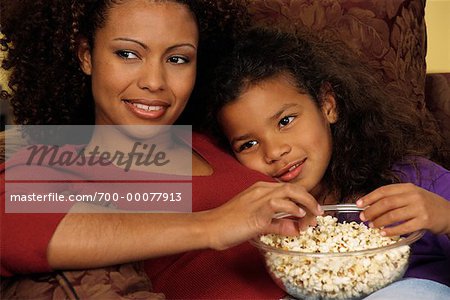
<point>24,237</point>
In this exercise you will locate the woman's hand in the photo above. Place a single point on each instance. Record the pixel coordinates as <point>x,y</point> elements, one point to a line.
<point>90,240</point>
<point>251,213</point>
<point>407,208</point>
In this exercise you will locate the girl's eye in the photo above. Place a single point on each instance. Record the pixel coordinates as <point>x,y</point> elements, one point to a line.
<point>126,54</point>
<point>247,145</point>
<point>177,60</point>
<point>285,121</point>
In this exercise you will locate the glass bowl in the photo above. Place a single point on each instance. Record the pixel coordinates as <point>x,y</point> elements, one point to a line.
<point>337,275</point>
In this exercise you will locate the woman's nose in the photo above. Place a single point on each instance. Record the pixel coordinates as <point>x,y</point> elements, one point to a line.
<point>152,77</point>
<point>276,150</point>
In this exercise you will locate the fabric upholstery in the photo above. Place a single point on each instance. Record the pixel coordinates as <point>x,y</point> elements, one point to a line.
<point>390,34</point>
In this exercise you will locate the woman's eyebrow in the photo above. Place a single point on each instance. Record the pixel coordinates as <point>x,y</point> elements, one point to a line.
<point>133,41</point>
<point>143,45</point>
<point>182,45</point>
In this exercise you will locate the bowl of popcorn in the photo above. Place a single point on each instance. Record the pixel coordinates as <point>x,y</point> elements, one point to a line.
<point>340,258</point>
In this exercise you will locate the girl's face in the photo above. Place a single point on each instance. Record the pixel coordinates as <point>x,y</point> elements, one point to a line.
<point>275,129</point>
<point>143,63</point>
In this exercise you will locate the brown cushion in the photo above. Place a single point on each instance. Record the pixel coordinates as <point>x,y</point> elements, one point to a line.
<point>121,282</point>
<point>390,34</point>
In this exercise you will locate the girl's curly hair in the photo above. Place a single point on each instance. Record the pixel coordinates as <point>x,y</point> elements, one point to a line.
<point>374,130</point>
<point>48,86</point>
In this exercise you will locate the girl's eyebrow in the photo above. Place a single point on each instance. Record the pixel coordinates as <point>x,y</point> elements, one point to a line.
<point>146,47</point>
<point>278,114</point>
<point>239,138</point>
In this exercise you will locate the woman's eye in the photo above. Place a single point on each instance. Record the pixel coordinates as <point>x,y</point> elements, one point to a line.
<point>126,54</point>
<point>247,145</point>
<point>285,121</point>
<point>177,60</point>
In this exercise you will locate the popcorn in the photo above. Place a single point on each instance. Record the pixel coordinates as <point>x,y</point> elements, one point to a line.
<point>335,277</point>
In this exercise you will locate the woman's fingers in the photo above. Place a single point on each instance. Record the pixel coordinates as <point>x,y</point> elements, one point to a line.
<point>272,192</point>
<point>299,195</point>
<point>284,227</point>
<point>289,226</point>
<point>252,212</point>
<point>284,205</point>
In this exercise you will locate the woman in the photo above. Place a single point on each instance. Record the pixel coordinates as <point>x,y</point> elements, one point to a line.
<point>138,62</point>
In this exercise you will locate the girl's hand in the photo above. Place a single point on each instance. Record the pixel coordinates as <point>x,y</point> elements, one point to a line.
<point>407,206</point>
<point>251,213</point>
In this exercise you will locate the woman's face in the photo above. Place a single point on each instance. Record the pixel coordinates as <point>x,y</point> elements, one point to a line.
<point>275,129</point>
<point>143,63</point>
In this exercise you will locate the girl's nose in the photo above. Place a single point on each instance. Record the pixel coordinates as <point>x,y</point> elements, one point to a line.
<point>276,150</point>
<point>152,77</point>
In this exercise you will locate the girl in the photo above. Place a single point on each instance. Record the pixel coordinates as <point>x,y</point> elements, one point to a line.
<point>132,63</point>
<point>304,111</point>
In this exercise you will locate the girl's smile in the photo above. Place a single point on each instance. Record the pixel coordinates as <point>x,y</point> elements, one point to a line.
<point>290,172</point>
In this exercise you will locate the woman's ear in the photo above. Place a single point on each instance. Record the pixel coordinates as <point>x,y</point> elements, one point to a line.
<point>84,56</point>
<point>329,107</point>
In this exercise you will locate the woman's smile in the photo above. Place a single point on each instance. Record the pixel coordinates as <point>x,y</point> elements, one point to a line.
<point>147,109</point>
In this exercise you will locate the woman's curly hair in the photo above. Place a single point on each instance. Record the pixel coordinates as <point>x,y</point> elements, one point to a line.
<point>374,130</point>
<point>48,86</point>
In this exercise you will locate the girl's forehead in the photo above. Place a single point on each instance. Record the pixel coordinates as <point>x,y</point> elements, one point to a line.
<point>283,79</point>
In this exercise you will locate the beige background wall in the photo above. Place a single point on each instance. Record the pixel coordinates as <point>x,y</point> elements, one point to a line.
<point>437,18</point>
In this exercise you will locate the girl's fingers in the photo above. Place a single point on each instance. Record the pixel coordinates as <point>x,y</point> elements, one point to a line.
<point>383,206</point>
<point>398,215</point>
<point>383,192</point>
<point>403,228</point>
